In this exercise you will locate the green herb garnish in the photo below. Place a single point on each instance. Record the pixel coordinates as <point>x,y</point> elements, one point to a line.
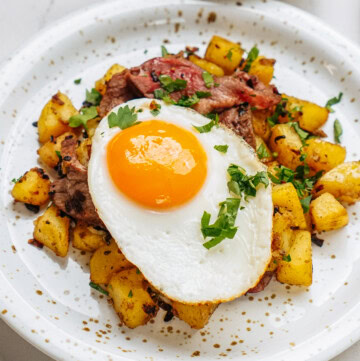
<point>155,108</point>
<point>305,203</point>
<point>130,294</point>
<point>287,258</point>
<point>138,271</point>
<point>280,111</point>
<point>208,79</point>
<point>96,287</point>
<point>171,85</point>
<point>229,54</point>
<point>338,131</point>
<point>262,151</point>
<point>14,180</point>
<point>186,101</point>
<point>332,102</point>
<point>207,127</point>
<point>58,153</point>
<point>252,55</point>
<point>77,81</point>
<point>82,118</point>
<point>164,51</point>
<point>124,118</point>
<point>221,148</point>
<point>93,97</point>
<point>164,95</point>
<point>301,133</point>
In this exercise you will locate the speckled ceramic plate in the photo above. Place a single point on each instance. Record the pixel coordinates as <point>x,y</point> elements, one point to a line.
<point>47,299</point>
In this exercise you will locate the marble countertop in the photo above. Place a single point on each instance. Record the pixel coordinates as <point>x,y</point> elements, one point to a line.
<point>32,15</point>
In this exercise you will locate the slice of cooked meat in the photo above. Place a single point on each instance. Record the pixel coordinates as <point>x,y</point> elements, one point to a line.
<point>239,119</point>
<point>71,194</point>
<point>264,281</point>
<point>117,92</point>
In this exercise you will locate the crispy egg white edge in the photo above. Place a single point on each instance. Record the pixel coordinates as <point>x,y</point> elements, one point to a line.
<point>167,246</point>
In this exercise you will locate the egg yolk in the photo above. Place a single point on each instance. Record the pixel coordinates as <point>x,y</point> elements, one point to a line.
<point>157,164</point>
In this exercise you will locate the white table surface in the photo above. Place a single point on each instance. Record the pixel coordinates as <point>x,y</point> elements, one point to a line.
<point>32,15</point>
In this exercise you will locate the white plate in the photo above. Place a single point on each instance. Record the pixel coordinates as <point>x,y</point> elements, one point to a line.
<point>48,301</point>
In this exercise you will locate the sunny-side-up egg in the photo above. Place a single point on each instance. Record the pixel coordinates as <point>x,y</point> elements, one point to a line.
<point>151,184</point>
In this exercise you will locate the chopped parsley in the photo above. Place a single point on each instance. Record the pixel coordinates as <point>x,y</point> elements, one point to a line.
<point>229,54</point>
<point>208,79</point>
<point>207,127</point>
<point>77,81</point>
<point>338,131</point>
<point>301,133</point>
<point>252,55</point>
<point>14,180</point>
<point>171,85</point>
<point>155,108</point>
<point>223,227</point>
<point>93,97</point>
<point>96,287</point>
<point>262,151</point>
<point>333,101</point>
<point>305,203</point>
<point>280,111</point>
<point>164,51</point>
<point>130,294</point>
<point>221,148</point>
<point>287,258</point>
<point>82,118</point>
<point>244,185</point>
<point>201,94</point>
<point>58,153</point>
<point>164,95</point>
<point>186,101</point>
<point>124,118</point>
<point>138,271</point>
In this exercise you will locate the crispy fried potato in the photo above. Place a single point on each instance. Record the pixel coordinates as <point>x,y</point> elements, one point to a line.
<point>48,151</point>
<point>196,316</point>
<point>83,151</point>
<point>343,182</point>
<point>55,116</point>
<point>92,124</point>
<point>224,53</point>
<point>323,155</point>
<point>100,85</point>
<point>327,213</point>
<point>262,150</point>
<point>32,188</point>
<point>52,230</point>
<point>260,124</point>
<point>86,238</point>
<point>287,144</point>
<point>206,65</point>
<point>132,302</point>
<point>106,261</point>
<point>263,68</point>
<point>285,198</point>
<point>296,267</point>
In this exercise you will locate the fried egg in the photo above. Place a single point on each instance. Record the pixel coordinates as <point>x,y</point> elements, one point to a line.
<point>151,184</point>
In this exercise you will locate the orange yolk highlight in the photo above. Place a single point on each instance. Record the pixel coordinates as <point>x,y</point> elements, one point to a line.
<point>157,164</point>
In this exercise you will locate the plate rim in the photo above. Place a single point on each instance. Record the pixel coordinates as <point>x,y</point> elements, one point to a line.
<point>9,63</point>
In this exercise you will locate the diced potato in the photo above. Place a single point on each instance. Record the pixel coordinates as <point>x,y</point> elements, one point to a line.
<point>262,150</point>
<point>52,230</point>
<point>263,68</point>
<point>296,267</point>
<point>47,152</point>
<point>309,115</point>
<point>132,302</point>
<point>32,188</point>
<point>287,144</point>
<point>196,316</point>
<point>55,116</point>
<point>309,225</point>
<point>323,155</point>
<point>86,238</point>
<point>83,151</point>
<point>100,85</point>
<point>327,213</point>
<point>285,198</point>
<point>106,261</point>
<point>224,53</point>
<point>272,166</point>
<point>260,124</point>
<point>206,65</point>
<point>92,124</point>
<point>343,182</point>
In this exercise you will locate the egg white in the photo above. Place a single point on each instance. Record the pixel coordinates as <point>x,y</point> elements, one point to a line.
<point>168,246</point>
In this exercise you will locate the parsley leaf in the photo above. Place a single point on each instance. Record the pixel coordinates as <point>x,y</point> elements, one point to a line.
<point>223,227</point>
<point>280,111</point>
<point>207,127</point>
<point>77,81</point>
<point>252,55</point>
<point>208,79</point>
<point>171,85</point>
<point>332,102</point>
<point>305,203</point>
<point>164,51</point>
<point>287,258</point>
<point>262,151</point>
<point>96,287</point>
<point>82,118</point>
<point>130,294</point>
<point>201,94</point>
<point>58,153</point>
<point>301,133</point>
<point>155,108</point>
<point>229,54</point>
<point>164,95</point>
<point>93,97</point>
<point>338,131</point>
<point>221,148</point>
<point>186,101</point>
<point>14,180</point>
<point>124,118</point>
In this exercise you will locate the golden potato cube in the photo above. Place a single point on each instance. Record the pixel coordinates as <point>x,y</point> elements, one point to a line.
<point>282,236</point>
<point>272,166</point>
<point>262,150</point>
<point>132,302</point>
<point>343,182</point>
<point>224,53</point>
<point>52,230</point>
<point>327,213</point>
<point>296,267</point>
<point>285,198</point>
<point>263,68</point>
<point>100,85</point>
<point>83,151</point>
<point>106,261</point>
<point>86,238</point>
<point>260,124</point>
<point>323,155</point>
<point>206,65</point>
<point>55,116</point>
<point>49,151</point>
<point>32,188</point>
<point>196,316</point>
<point>92,124</point>
<point>287,144</point>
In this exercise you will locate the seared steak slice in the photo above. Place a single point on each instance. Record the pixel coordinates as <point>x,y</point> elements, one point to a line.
<point>264,281</point>
<point>239,119</point>
<point>71,194</point>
